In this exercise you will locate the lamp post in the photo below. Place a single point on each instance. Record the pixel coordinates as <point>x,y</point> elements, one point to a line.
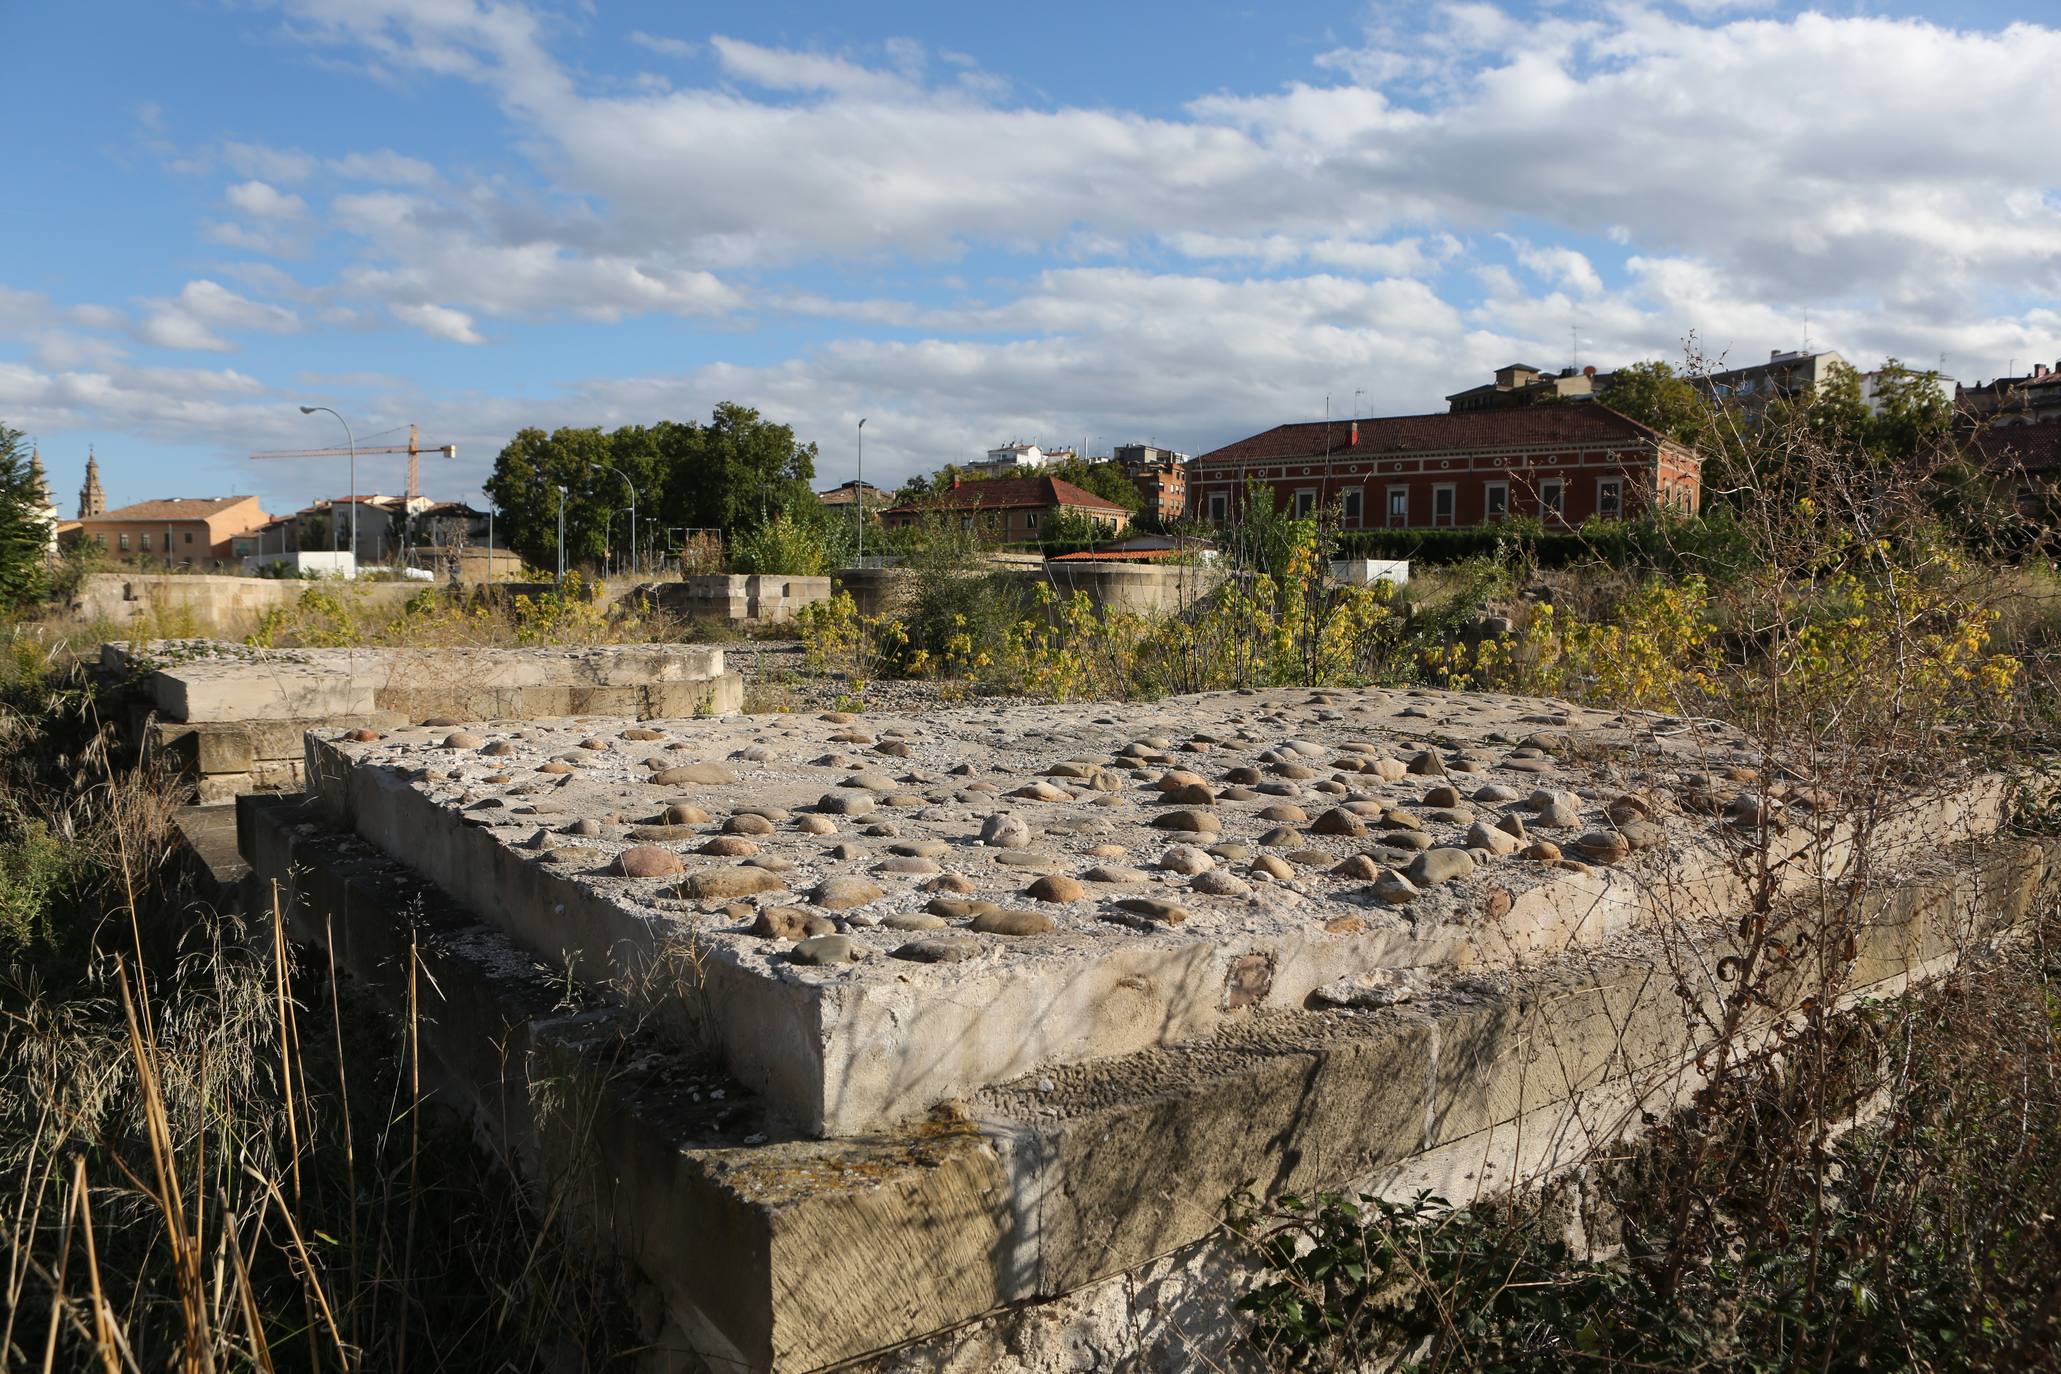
<point>859,492</point>
<point>561,536</point>
<point>351,441</point>
<point>633,511</point>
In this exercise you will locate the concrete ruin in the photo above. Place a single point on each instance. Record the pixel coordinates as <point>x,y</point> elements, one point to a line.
<point>937,1042</point>
<point>734,598</point>
<point>234,717</point>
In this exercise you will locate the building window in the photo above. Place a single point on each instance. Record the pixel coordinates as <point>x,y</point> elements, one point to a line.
<point>1219,507</point>
<point>1305,503</point>
<point>146,543</point>
<point>1031,519</point>
<point>189,536</point>
<point>1398,505</point>
<point>100,538</point>
<point>1443,503</point>
<point>1495,501</point>
<point>125,543</point>
<point>1349,508</point>
<point>1610,497</point>
<point>1553,498</point>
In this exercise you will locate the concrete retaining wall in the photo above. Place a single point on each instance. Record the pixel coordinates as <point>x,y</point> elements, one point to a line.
<point>1151,589</point>
<point>215,607</point>
<point>758,598</point>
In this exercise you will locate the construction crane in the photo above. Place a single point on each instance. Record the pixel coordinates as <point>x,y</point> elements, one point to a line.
<point>413,449</point>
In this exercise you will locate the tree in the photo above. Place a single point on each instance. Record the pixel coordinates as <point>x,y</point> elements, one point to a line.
<point>1912,412</point>
<point>1656,397</point>
<point>734,473</point>
<point>1106,480</point>
<point>525,485</point>
<point>24,538</point>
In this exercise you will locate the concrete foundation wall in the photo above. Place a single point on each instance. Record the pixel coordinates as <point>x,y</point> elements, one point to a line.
<point>1066,1221</point>
<point>1145,588</point>
<point>217,607</point>
<point>758,598</point>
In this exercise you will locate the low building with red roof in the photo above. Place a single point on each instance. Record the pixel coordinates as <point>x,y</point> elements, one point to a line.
<point>1561,463</point>
<point>180,530</point>
<point>1010,510</point>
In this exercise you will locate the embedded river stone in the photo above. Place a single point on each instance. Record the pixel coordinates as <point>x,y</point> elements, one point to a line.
<point>648,861</point>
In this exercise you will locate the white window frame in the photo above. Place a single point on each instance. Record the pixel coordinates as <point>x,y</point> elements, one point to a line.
<point>125,541</point>
<point>1556,508</point>
<point>1030,519</point>
<point>1603,483</point>
<point>1489,505</point>
<point>1352,506</point>
<point>1305,505</point>
<point>1451,493</point>
<point>1219,507</point>
<point>1398,519</point>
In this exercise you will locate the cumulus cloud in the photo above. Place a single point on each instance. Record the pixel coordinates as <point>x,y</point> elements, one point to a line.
<point>439,322</point>
<point>192,318</point>
<point>263,201</point>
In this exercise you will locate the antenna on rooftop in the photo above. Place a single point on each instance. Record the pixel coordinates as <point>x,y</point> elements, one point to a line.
<point>1574,345</point>
<point>1806,329</point>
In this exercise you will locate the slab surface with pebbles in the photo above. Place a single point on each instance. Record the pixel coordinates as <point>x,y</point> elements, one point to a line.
<point>1091,880</point>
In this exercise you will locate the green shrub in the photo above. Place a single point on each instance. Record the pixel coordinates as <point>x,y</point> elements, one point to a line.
<point>783,546</point>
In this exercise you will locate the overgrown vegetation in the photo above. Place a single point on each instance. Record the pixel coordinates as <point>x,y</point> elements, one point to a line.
<point>213,1158</point>
<point>1849,1183</point>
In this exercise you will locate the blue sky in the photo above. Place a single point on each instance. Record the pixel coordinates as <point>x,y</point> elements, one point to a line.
<point>971,224</point>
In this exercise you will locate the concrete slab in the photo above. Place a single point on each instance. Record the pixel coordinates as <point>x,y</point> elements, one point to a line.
<point>1079,1202</point>
<point>1151,874</point>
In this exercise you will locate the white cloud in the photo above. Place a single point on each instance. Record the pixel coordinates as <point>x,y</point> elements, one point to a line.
<point>263,201</point>
<point>783,69</point>
<point>663,46</point>
<point>191,319</point>
<point>385,167</point>
<point>270,164</point>
<point>439,322</point>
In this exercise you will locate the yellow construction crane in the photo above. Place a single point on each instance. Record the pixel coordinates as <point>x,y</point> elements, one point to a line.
<point>413,448</point>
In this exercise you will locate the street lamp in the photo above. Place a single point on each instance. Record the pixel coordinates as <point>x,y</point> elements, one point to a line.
<point>633,511</point>
<point>561,536</point>
<point>352,442</point>
<point>859,492</point>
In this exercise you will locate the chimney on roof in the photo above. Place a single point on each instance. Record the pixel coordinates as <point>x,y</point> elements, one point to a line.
<point>1589,371</point>
<point>1356,435</point>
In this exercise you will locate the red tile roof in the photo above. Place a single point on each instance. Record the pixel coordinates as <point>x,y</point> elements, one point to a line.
<point>1015,493</point>
<point>174,508</point>
<point>1535,426</point>
<point>2019,448</point>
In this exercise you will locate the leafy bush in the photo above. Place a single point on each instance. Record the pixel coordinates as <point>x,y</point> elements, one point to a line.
<point>783,546</point>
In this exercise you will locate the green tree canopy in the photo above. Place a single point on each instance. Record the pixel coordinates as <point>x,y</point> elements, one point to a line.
<point>1106,480</point>
<point>732,474</point>
<point>24,538</point>
<point>528,476</point>
<point>1654,395</point>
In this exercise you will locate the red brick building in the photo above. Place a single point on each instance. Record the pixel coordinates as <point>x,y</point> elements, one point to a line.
<point>1560,463</point>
